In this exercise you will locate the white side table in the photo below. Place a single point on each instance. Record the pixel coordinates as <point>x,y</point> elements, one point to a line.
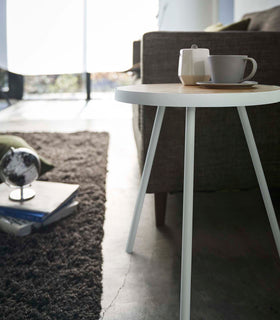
<point>192,97</point>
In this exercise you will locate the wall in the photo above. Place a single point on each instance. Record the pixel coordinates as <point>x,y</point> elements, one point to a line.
<point>192,15</point>
<point>226,11</point>
<point>187,15</point>
<point>245,6</point>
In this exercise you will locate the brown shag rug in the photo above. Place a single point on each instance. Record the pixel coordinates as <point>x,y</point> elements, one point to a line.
<point>56,272</point>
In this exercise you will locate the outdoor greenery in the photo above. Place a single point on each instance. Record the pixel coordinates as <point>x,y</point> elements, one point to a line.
<point>53,83</point>
<point>73,83</point>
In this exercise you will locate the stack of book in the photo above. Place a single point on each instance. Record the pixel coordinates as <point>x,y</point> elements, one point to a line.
<point>52,202</point>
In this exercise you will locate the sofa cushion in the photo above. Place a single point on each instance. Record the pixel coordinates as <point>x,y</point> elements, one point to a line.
<point>214,27</point>
<point>241,25</point>
<point>268,20</point>
<point>8,141</point>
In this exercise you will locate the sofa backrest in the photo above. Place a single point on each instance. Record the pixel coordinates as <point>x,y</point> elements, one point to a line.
<point>268,20</point>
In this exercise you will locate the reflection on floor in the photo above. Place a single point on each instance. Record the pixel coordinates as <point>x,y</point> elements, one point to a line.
<point>236,271</point>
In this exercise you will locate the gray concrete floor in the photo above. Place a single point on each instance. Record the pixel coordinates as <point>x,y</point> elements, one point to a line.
<point>235,264</point>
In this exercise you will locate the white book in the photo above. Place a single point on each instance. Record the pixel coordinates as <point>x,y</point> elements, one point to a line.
<point>19,227</point>
<point>50,197</point>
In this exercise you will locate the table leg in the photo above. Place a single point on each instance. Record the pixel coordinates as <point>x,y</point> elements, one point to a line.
<point>145,177</point>
<point>186,258</point>
<point>260,175</point>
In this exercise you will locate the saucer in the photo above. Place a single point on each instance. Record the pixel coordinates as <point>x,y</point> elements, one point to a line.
<point>244,84</point>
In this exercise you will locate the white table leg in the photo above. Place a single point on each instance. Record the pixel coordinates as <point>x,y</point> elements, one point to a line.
<point>145,177</point>
<point>260,175</point>
<point>186,258</point>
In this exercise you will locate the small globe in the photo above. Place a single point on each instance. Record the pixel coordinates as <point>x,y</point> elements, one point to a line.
<point>20,167</point>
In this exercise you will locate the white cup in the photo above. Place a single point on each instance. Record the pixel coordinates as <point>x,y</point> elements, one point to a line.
<point>193,65</point>
<point>230,68</point>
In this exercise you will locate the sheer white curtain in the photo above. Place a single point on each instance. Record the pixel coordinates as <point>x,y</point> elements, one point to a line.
<point>44,37</point>
<point>71,36</point>
<point>112,27</point>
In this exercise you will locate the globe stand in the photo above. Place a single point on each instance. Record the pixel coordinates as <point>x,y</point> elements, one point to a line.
<point>22,194</point>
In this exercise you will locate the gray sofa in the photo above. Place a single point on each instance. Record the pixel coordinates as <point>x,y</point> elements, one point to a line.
<point>222,159</point>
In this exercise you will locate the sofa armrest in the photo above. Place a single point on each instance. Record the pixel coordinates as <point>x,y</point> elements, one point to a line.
<point>160,52</point>
<point>136,52</point>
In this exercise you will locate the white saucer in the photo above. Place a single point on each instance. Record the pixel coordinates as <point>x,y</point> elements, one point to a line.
<point>244,84</point>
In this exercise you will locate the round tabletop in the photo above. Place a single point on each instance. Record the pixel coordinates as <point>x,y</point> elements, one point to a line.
<point>178,95</point>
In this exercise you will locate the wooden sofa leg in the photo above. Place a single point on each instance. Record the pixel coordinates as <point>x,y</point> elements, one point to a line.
<point>160,208</point>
